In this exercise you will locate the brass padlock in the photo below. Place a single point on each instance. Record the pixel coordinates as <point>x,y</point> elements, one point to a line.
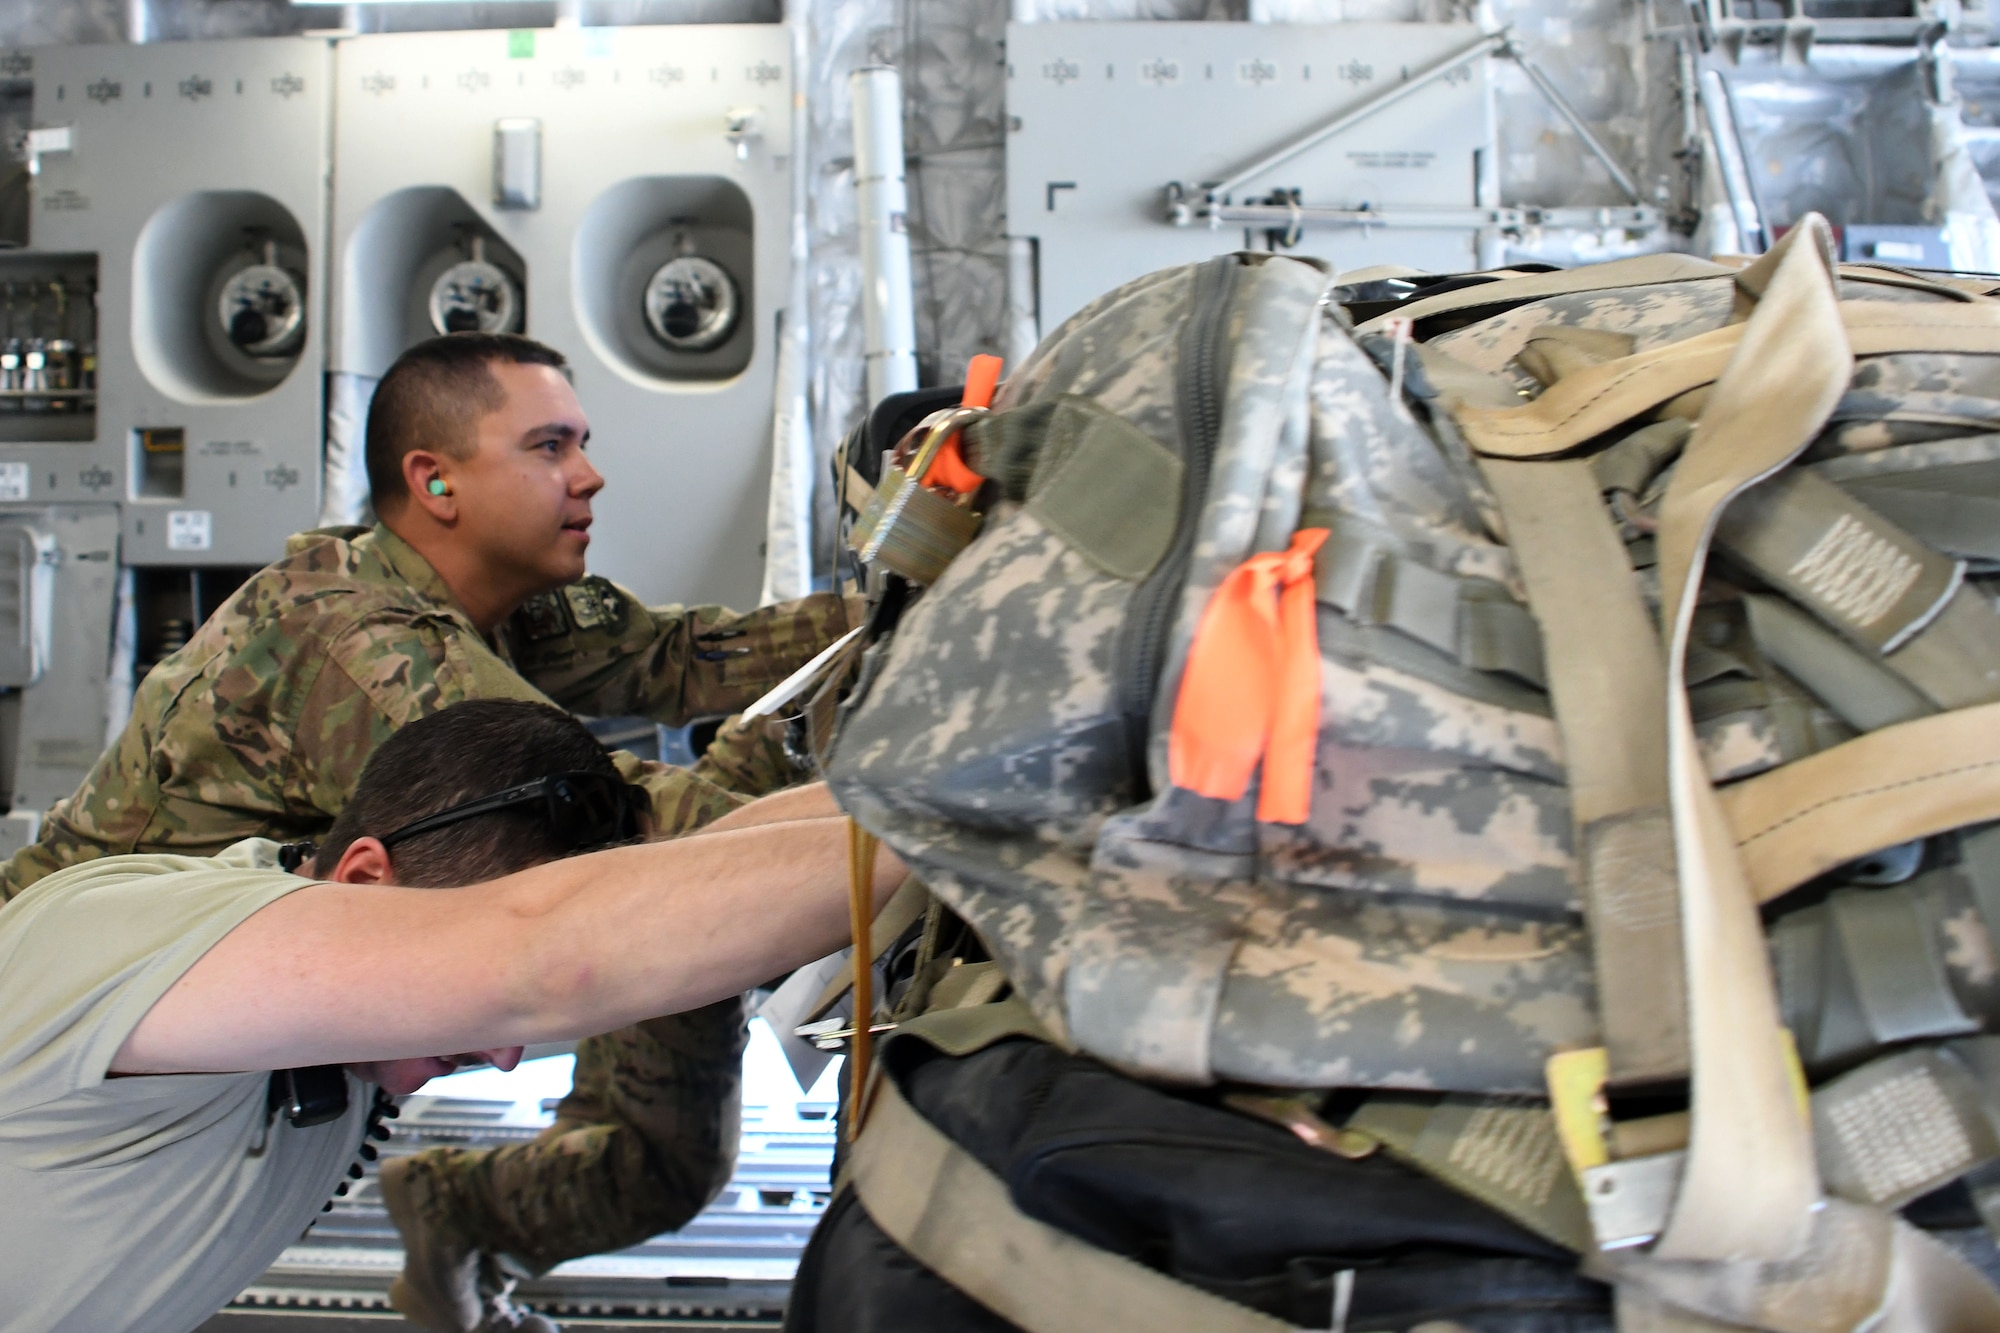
<point>907,527</point>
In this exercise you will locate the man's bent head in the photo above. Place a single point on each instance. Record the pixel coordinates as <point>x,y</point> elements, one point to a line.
<point>479,790</point>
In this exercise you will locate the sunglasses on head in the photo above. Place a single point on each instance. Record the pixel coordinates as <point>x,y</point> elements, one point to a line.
<point>583,810</point>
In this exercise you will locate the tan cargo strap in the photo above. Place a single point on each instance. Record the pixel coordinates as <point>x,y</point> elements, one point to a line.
<point>1580,407</point>
<point>1860,1269</point>
<point>1608,691</point>
<point>1608,688</point>
<point>1891,1131</point>
<point>956,1218</point>
<point>1642,271</point>
<point>1888,275</point>
<point>1509,288</point>
<point>1473,621</point>
<point>1749,1187</point>
<point>1888,1132</point>
<point>1903,782</point>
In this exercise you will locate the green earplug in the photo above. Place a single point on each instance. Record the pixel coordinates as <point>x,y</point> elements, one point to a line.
<point>438,487</point>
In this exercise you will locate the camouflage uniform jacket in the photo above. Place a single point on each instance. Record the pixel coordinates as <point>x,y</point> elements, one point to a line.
<point>261,724</point>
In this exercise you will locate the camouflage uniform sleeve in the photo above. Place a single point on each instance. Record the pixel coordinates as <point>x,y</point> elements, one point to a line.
<point>595,648</point>
<point>683,800</point>
<point>751,758</point>
<point>381,674</point>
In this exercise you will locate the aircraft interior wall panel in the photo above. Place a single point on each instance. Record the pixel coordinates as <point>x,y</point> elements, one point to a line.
<point>193,195</point>
<point>1102,116</point>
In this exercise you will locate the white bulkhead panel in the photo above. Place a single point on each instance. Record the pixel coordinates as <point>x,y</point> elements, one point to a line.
<point>1103,116</point>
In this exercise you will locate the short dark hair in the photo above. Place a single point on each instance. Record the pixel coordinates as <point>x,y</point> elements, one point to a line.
<point>433,394</point>
<point>459,754</point>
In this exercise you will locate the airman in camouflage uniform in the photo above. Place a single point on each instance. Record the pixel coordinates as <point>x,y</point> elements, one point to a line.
<point>261,725</point>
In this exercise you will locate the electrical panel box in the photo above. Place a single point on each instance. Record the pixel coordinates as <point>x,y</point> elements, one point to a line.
<point>1103,117</point>
<point>623,194</point>
<point>176,250</point>
<point>59,564</point>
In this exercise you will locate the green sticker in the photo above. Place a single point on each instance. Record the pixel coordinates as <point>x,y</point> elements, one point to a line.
<point>521,44</point>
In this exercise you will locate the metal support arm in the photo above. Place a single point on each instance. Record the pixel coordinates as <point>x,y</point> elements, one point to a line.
<point>1214,209</point>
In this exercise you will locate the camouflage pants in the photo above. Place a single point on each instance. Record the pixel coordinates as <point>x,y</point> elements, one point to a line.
<point>645,1139</point>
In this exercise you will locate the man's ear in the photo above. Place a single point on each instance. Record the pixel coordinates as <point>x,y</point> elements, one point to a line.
<point>428,486</point>
<point>366,861</point>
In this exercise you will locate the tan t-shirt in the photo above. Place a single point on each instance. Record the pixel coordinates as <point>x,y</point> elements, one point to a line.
<point>141,1203</point>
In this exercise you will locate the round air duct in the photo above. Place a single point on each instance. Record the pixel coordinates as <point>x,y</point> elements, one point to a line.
<point>475,295</point>
<point>259,305</point>
<point>691,304</point>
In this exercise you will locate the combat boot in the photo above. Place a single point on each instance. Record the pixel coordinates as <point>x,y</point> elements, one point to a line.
<point>503,1316</point>
<point>439,1285</point>
<point>446,1284</point>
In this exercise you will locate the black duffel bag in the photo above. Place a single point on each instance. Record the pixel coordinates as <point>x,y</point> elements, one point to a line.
<point>1222,1202</point>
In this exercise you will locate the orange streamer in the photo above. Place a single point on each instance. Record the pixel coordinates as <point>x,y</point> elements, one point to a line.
<point>1250,692</point>
<point>982,377</point>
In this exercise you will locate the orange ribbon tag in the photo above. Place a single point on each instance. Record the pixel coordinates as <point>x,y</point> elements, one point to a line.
<point>949,468</point>
<point>1251,688</point>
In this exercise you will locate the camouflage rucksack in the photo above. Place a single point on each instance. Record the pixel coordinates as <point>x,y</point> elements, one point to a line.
<point>1509,745</point>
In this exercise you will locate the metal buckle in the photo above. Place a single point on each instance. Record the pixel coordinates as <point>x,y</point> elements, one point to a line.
<point>1628,1170</point>
<point>907,527</point>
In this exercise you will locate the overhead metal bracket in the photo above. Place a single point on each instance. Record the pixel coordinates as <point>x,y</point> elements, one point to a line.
<point>1210,201</point>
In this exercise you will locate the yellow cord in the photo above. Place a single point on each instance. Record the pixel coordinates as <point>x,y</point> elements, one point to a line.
<point>861,846</point>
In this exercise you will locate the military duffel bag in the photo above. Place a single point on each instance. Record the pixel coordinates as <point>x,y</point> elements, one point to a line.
<point>1444,705</point>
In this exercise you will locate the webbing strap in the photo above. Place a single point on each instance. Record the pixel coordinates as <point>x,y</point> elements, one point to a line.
<point>1903,782</point>
<point>1888,1132</point>
<point>1899,1127</point>
<point>1642,1312</point>
<point>1506,1154</point>
<point>1473,621</point>
<point>1608,689</point>
<point>1861,574</point>
<point>1750,1186</point>
<point>1639,272</point>
<point>1854,684</point>
<point>1892,960</point>
<point>957,1219</point>
<point>1861,1268</point>
<point>1872,581</point>
<point>1584,405</point>
<point>1888,275</point>
<point>1956,508</point>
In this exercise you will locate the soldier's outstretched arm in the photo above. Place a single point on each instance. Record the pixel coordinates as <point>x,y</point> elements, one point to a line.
<point>596,648</point>
<point>812,801</point>
<point>339,973</point>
